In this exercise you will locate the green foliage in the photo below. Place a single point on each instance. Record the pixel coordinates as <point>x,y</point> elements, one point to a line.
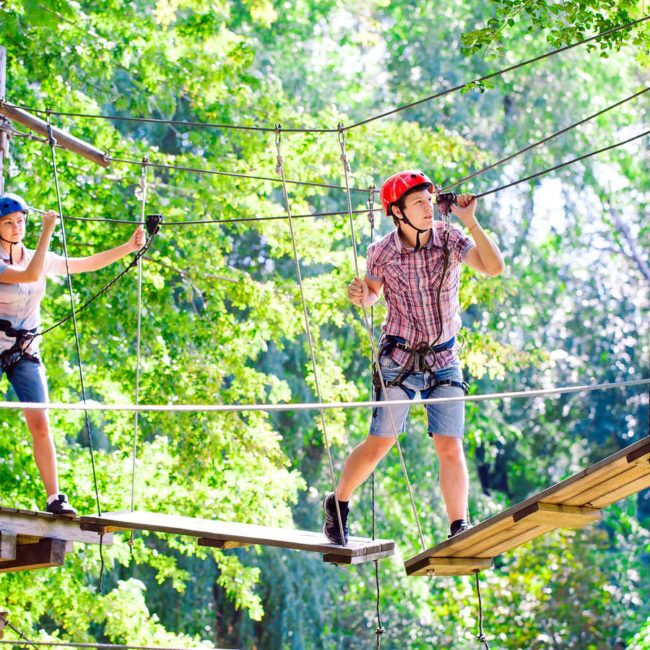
<point>222,321</point>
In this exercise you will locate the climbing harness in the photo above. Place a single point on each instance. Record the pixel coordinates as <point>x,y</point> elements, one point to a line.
<point>11,356</point>
<point>416,362</point>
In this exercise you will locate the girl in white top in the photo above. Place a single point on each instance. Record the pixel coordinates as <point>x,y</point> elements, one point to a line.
<point>22,286</point>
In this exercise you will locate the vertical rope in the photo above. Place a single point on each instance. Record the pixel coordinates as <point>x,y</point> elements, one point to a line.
<point>375,355</point>
<point>481,638</point>
<point>52,143</point>
<point>141,193</point>
<point>280,170</point>
<point>379,631</point>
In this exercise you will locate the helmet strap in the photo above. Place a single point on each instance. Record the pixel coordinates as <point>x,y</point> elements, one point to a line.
<point>418,231</point>
<point>11,248</point>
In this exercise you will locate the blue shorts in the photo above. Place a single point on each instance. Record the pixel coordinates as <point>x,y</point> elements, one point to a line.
<point>447,419</point>
<point>29,381</point>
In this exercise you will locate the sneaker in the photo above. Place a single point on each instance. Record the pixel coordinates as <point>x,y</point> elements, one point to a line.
<point>61,506</point>
<point>331,529</point>
<point>457,527</point>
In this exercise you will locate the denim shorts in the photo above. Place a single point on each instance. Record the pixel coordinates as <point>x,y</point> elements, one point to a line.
<point>446,419</point>
<point>29,381</point>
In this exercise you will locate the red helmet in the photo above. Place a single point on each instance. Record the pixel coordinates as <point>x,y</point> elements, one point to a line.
<point>399,184</point>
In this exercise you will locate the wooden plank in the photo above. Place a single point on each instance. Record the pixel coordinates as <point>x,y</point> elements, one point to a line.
<point>8,543</point>
<point>461,544</point>
<point>518,539</point>
<point>494,532</point>
<point>619,458</point>
<point>605,492</point>
<point>235,532</point>
<point>218,543</point>
<point>558,516</point>
<point>567,494</point>
<point>483,546</point>
<point>45,553</point>
<point>449,566</point>
<point>334,558</point>
<point>641,483</point>
<point>42,524</point>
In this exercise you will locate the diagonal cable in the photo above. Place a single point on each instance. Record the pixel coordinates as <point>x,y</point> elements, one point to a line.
<point>538,143</point>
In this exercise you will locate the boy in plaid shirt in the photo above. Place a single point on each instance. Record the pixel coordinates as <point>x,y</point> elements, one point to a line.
<point>418,267</point>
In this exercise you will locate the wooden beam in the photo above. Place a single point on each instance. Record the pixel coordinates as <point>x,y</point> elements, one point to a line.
<point>63,138</point>
<point>45,553</point>
<point>449,566</point>
<point>220,543</point>
<point>31,523</point>
<point>334,558</point>
<point>558,516</point>
<point>8,543</point>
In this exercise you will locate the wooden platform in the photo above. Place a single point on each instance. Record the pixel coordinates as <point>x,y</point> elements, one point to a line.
<point>220,534</point>
<point>573,503</point>
<point>34,540</point>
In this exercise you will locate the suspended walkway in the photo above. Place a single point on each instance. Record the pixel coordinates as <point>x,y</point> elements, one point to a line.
<point>35,540</point>
<point>574,503</point>
<point>224,535</point>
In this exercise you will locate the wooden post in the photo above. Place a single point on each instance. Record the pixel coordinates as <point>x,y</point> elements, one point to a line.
<point>4,141</point>
<point>63,139</point>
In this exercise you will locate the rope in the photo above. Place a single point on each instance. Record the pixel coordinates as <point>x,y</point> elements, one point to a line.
<point>362,211</point>
<point>142,188</point>
<point>492,75</point>
<point>306,130</point>
<point>374,353</point>
<point>542,141</point>
<point>564,164</point>
<point>280,171</point>
<point>309,406</point>
<point>216,172</point>
<point>23,637</point>
<point>72,644</point>
<point>73,315</point>
<point>104,289</point>
<point>379,631</point>
<point>481,638</point>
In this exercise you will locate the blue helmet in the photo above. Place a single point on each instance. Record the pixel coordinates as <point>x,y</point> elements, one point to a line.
<point>10,203</point>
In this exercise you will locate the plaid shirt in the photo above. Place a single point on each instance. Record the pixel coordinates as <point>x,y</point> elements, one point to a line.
<point>410,283</point>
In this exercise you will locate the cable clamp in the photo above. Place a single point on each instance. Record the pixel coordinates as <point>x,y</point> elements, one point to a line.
<point>371,205</point>
<point>344,156</point>
<point>141,189</point>
<point>153,222</point>
<point>278,145</point>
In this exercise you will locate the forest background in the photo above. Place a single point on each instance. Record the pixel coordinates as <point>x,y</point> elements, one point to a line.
<point>222,320</point>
